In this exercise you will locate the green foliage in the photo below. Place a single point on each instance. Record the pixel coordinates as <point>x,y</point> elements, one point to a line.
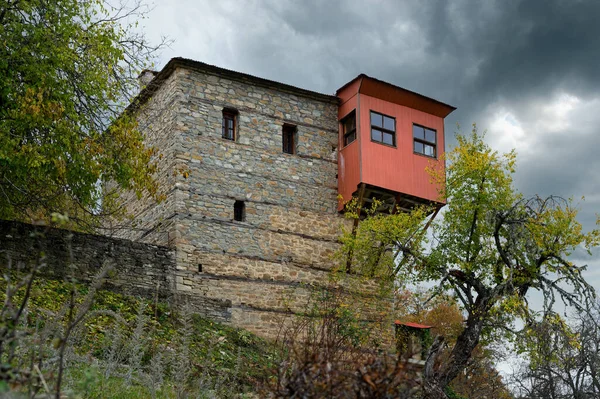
<point>372,247</point>
<point>489,249</point>
<point>233,354</point>
<point>453,395</point>
<point>563,360</point>
<point>501,241</point>
<point>427,340</point>
<point>478,184</point>
<point>67,69</point>
<point>490,242</point>
<point>222,360</point>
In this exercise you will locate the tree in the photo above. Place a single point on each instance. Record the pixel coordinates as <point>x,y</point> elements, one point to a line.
<point>67,70</point>
<point>479,379</point>
<point>489,250</point>
<point>333,348</point>
<point>565,362</point>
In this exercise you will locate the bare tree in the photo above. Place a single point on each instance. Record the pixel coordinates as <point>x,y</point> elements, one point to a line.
<point>565,362</point>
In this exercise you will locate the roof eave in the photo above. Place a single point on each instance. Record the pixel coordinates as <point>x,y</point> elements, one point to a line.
<point>442,109</point>
<point>412,325</point>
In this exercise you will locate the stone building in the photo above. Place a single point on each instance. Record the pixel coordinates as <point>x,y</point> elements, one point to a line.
<point>251,172</point>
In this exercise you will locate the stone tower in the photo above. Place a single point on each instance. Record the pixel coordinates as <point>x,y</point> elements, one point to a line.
<point>249,217</point>
<point>249,172</point>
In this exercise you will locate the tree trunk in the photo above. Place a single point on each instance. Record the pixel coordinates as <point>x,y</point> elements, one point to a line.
<point>434,382</point>
<point>432,390</point>
<point>432,387</point>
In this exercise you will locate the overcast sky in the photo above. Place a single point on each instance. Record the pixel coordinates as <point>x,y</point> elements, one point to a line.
<point>528,72</point>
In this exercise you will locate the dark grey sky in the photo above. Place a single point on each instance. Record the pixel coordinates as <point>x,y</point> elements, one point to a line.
<point>526,71</point>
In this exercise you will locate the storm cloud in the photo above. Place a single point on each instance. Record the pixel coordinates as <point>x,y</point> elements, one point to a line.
<point>528,72</point>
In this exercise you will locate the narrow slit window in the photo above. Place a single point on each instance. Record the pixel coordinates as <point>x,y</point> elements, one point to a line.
<point>288,137</point>
<point>229,124</point>
<point>239,211</point>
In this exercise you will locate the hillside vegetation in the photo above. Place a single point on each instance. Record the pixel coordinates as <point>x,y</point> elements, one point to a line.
<point>123,347</point>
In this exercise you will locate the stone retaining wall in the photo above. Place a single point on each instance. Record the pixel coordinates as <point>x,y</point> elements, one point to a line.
<point>139,269</point>
<point>253,293</point>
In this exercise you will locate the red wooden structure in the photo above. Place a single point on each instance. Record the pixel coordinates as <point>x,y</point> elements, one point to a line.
<point>388,136</point>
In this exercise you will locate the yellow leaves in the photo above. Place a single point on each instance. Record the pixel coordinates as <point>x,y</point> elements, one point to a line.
<point>65,91</point>
<point>183,171</point>
<point>370,248</point>
<point>59,219</point>
<point>36,103</point>
<point>477,175</point>
<point>512,305</point>
<point>555,229</point>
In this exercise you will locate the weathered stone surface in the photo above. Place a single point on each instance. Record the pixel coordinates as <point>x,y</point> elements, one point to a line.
<point>291,225</point>
<point>248,292</point>
<point>227,265</point>
<point>139,269</point>
<point>264,323</point>
<point>157,121</point>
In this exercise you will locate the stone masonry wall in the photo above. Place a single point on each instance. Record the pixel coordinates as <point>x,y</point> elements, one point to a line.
<point>157,121</point>
<point>251,273</point>
<point>139,269</point>
<point>291,225</point>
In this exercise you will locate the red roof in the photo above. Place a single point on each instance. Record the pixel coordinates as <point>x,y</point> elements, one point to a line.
<point>413,325</point>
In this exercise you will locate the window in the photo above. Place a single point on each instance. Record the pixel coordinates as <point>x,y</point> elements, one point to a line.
<point>349,128</point>
<point>288,136</point>
<point>229,125</point>
<point>424,141</point>
<point>239,211</point>
<point>383,129</point>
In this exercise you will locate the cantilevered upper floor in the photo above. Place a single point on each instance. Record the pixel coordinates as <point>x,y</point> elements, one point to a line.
<point>388,137</point>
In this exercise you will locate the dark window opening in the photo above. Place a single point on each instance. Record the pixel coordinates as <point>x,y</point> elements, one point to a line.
<point>288,135</point>
<point>229,124</point>
<point>200,267</point>
<point>383,129</point>
<point>349,128</point>
<point>425,141</point>
<point>239,211</point>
